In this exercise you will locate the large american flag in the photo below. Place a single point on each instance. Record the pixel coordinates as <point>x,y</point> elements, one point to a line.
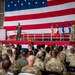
<point>35,16</point>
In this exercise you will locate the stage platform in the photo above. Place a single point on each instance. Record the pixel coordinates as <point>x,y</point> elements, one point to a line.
<point>39,42</point>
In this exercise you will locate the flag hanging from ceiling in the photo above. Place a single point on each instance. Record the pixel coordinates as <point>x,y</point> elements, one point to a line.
<point>35,16</point>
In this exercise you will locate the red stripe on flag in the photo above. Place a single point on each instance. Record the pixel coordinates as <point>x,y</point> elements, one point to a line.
<point>55,2</point>
<point>41,15</point>
<point>37,26</point>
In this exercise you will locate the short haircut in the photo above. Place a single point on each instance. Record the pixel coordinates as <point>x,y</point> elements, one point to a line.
<point>9,51</point>
<point>24,53</point>
<point>31,58</point>
<point>6,64</point>
<point>4,57</point>
<point>53,53</point>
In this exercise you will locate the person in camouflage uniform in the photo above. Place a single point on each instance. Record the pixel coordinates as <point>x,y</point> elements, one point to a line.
<point>73,32</point>
<point>70,57</point>
<point>30,68</point>
<point>39,62</point>
<point>15,68</point>
<point>55,64</point>
<point>5,48</point>
<point>11,55</point>
<point>5,67</point>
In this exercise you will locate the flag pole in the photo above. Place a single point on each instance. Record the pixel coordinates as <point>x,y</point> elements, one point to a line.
<point>60,36</point>
<point>51,36</point>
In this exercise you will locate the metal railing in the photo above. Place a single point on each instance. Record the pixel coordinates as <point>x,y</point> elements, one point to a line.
<point>41,37</point>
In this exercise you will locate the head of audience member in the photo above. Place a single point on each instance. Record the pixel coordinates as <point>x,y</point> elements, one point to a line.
<point>35,51</point>
<point>53,54</point>
<point>31,60</point>
<point>57,49</point>
<point>4,57</point>
<point>9,51</point>
<point>30,47</point>
<point>12,46</point>
<point>48,49</point>
<point>43,46</point>
<point>65,47</point>
<point>7,44</point>
<point>24,54</point>
<point>60,48</point>
<point>6,65</point>
<point>41,55</point>
<point>38,47</point>
<point>72,49</point>
<point>52,47</point>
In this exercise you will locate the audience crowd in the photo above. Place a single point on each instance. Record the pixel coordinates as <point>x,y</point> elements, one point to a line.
<point>52,58</point>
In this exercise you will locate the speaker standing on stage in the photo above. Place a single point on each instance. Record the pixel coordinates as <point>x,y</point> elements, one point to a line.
<point>19,27</point>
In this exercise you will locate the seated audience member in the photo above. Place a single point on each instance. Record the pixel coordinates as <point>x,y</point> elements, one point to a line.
<point>43,47</point>
<point>14,68</point>
<point>5,56</point>
<point>55,65</point>
<point>30,48</point>
<point>70,58</point>
<point>30,68</point>
<point>22,61</point>
<point>5,48</point>
<point>11,55</point>
<point>39,47</point>
<point>65,50</point>
<point>5,67</point>
<point>39,62</point>
<point>47,51</point>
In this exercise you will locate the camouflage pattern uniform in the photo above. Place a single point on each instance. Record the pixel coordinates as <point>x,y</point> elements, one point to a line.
<point>55,65</point>
<point>39,64</point>
<point>12,58</point>
<point>3,73</point>
<point>62,57</point>
<point>15,68</point>
<point>32,70</point>
<point>73,33</point>
<point>4,50</point>
<point>71,59</point>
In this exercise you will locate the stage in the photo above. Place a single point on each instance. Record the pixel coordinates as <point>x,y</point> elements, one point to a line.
<point>39,42</point>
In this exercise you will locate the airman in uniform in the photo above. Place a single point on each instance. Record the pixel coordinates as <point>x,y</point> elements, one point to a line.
<point>70,57</point>
<point>73,32</point>
<point>30,68</point>
<point>55,64</point>
<point>39,62</point>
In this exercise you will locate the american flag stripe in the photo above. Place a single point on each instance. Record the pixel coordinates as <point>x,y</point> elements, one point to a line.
<point>41,15</point>
<point>37,31</point>
<point>37,26</point>
<point>41,21</point>
<point>55,2</point>
<point>38,20</point>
